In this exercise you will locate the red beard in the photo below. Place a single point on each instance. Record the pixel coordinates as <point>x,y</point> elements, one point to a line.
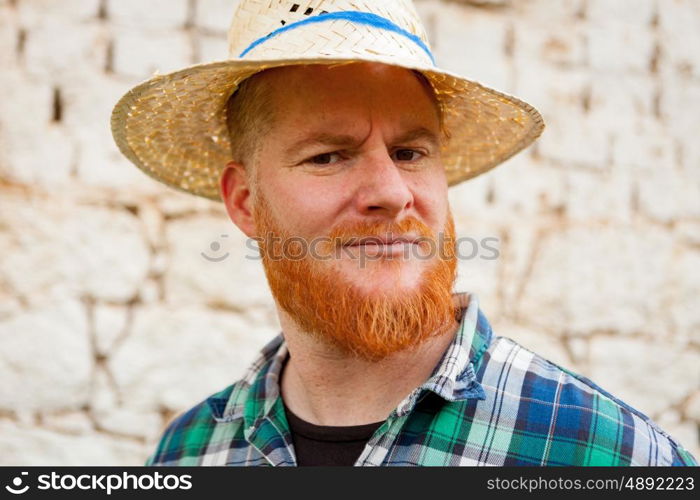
<point>325,305</point>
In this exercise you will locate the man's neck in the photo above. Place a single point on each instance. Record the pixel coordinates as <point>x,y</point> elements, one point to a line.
<point>326,387</point>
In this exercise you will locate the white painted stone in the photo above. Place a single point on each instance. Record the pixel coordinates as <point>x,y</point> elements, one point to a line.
<point>599,278</point>
<point>471,43</point>
<point>517,250</point>
<point>215,15</point>
<point>89,101</point>
<point>428,10</point>
<point>154,14</point>
<point>159,263</point>
<point>24,416</point>
<point>28,445</point>
<point>46,360</point>
<point>32,150</point>
<point>54,52</point>
<point>153,223</point>
<point>523,186</point>
<point>479,261</point>
<point>109,324</point>
<point>603,196</point>
<point>9,34</point>
<point>81,250</point>
<point>177,356</point>
<point>548,12</point>
<point>36,14</point>
<point>46,163</point>
<point>486,3</point>
<point>647,145</point>
<point>682,295</point>
<point>266,316</point>
<point>666,195</point>
<point>10,305</point>
<point>542,343</point>
<point>639,16</point>
<point>616,47</point>
<point>212,48</point>
<point>618,102</point>
<point>688,232</point>
<point>150,292</point>
<point>211,260</point>
<point>577,349</point>
<point>561,44</point>
<point>679,99</point>
<point>649,374</point>
<point>470,196</point>
<point>692,407</point>
<point>112,417</point>
<point>557,93</point>
<point>174,204</point>
<point>99,167</point>
<point>575,139</point>
<point>72,423</point>
<point>137,424</point>
<point>691,158</point>
<point>88,108</point>
<point>141,55</point>
<point>679,32</point>
<point>571,136</point>
<point>103,397</point>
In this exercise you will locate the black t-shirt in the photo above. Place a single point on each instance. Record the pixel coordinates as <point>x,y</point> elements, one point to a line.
<point>328,445</point>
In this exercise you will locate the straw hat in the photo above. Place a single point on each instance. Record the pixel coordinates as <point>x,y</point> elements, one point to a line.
<point>173,127</point>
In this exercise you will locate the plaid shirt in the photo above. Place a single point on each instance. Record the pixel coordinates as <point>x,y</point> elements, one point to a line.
<point>489,401</point>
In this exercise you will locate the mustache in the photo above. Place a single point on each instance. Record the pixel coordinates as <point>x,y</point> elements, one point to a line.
<point>407,229</point>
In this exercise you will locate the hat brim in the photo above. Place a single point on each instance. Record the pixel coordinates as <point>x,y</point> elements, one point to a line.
<point>173,127</point>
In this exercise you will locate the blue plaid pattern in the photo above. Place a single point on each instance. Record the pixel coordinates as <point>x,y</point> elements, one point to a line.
<point>489,401</point>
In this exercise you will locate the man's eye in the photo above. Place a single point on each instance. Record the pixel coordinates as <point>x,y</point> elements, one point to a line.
<point>324,159</point>
<point>406,155</point>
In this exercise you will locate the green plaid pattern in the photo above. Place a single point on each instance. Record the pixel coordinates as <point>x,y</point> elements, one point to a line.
<point>489,401</point>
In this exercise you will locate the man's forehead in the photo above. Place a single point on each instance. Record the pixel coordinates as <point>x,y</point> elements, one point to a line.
<point>322,72</point>
<point>314,82</point>
<point>341,98</point>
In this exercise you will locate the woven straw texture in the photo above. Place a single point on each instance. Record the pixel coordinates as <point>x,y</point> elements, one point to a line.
<point>173,127</point>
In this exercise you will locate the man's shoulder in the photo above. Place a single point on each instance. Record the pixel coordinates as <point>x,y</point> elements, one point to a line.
<point>555,397</point>
<point>190,439</point>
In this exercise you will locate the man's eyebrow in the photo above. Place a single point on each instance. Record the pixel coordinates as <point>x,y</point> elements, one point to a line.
<point>344,140</point>
<point>418,133</point>
<point>324,139</point>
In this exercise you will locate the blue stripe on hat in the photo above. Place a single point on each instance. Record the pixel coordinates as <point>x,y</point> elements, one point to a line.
<point>352,16</point>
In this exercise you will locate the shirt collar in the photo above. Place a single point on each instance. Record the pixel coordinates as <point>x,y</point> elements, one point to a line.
<point>454,377</point>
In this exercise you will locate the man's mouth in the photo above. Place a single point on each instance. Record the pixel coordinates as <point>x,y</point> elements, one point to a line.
<point>387,245</point>
<point>382,241</point>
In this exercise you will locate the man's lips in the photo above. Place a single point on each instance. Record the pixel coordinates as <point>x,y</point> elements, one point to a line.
<point>407,245</point>
<point>382,240</point>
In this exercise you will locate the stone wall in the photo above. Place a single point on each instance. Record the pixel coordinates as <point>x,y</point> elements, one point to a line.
<point>111,321</point>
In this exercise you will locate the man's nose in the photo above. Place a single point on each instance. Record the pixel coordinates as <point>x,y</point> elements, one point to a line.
<point>382,188</point>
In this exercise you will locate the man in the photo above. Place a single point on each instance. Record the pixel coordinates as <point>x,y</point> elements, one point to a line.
<point>343,140</point>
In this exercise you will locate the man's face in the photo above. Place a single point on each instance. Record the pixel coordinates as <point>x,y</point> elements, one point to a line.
<point>354,152</point>
<point>353,144</point>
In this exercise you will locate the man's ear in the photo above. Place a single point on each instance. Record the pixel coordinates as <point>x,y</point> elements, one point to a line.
<point>236,195</point>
